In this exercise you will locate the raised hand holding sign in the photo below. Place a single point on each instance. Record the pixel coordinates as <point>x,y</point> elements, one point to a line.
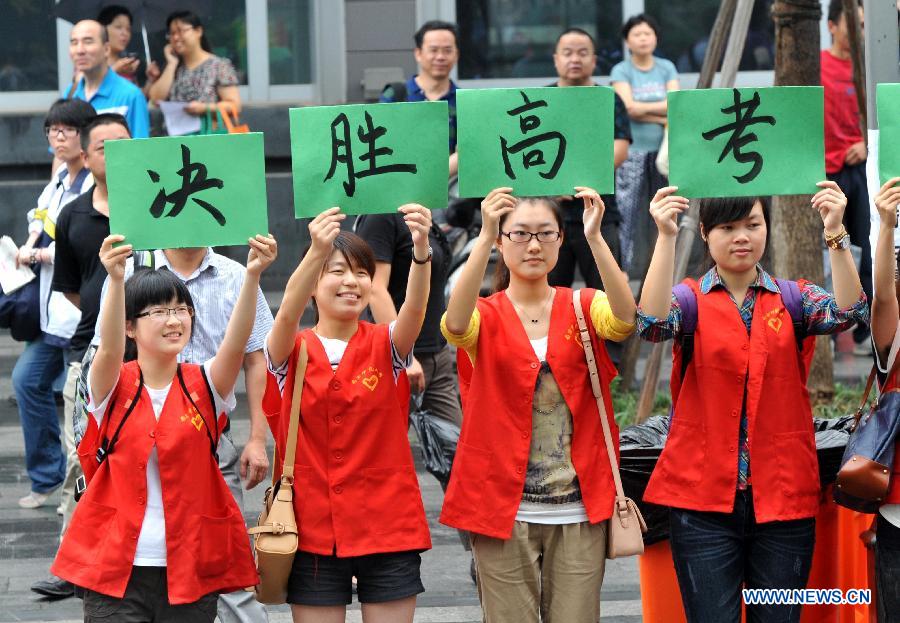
<point>188,191</point>
<point>541,141</point>
<point>888,106</point>
<point>745,142</point>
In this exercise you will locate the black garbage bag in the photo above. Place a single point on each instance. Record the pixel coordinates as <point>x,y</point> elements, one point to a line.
<point>438,439</point>
<point>641,444</point>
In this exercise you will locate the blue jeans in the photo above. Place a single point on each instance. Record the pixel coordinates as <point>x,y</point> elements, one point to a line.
<point>718,554</point>
<point>33,376</point>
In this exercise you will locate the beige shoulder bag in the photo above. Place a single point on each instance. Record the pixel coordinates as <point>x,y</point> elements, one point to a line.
<point>276,532</point>
<point>626,526</point>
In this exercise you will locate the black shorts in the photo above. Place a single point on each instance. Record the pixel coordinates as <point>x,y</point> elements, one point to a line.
<point>327,580</point>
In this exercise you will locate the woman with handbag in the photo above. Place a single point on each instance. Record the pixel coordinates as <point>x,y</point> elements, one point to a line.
<point>193,74</point>
<point>739,469</point>
<point>533,481</point>
<point>886,337</point>
<point>356,497</point>
<point>157,534</point>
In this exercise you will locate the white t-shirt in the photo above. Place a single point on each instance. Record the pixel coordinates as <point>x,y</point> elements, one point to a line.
<point>151,546</point>
<point>335,350</point>
<point>891,512</point>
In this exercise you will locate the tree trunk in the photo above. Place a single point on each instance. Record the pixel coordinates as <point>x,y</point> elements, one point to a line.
<point>796,236</point>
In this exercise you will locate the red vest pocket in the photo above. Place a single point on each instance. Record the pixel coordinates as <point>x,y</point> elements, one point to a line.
<point>798,465</point>
<point>214,546</point>
<point>683,459</point>
<point>85,539</point>
<point>392,499</point>
<point>471,468</point>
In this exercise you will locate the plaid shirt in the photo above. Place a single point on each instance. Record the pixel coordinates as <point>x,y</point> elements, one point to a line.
<point>821,316</point>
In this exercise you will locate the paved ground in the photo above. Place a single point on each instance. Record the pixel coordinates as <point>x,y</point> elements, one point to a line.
<point>28,541</point>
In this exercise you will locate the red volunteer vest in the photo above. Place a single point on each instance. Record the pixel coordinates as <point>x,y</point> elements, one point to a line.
<point>698,466</point>
<point>893,495</point>
<point>355,485</point>
<point>488,473</point>
<point>207,548</point>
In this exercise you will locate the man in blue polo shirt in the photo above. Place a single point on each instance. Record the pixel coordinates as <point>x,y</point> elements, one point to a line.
<point>101,87</point>
<point>436,54</point>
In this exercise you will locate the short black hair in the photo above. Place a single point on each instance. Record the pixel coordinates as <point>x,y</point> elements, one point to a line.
<point>836,9</point>
<point>636,20</point>
<point>106,118</point>
<point>576,31</point>
<point>73,113</point>
<point>111,11</point>
<point>192,19</point>
<point>148,287</point>
<point>435,24</point>
<point>716,211</point>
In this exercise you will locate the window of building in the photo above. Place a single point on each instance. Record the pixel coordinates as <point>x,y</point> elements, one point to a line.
<point>27,46</point>
<point>290,42</point>
<point>516,38</point>
<point>685,28</point>
<point>225,29</point>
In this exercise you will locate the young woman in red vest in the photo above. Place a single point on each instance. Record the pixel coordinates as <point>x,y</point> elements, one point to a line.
<point>531,479</point>
<point>356,499</point>
<point>157,534</point>
<point>739,469</point>
<point>885,334</point>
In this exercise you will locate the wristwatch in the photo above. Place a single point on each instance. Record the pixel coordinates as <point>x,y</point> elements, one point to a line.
<point>425,261</point>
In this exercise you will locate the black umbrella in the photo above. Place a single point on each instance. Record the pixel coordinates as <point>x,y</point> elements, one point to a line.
<point>150,14</point>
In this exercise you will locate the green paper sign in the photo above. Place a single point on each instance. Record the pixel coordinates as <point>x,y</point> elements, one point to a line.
<point>745,142</point>
<point>369,158</point>
<point>187,191</point>
<point>541,141</point>
<point>887,99</point>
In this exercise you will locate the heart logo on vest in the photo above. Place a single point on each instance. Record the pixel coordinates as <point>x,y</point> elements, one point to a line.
<point>370,382</point>
<point>773,319</point>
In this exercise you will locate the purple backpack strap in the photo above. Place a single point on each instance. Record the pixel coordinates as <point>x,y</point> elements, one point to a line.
<point>687,301</point>
<point>793,303</point>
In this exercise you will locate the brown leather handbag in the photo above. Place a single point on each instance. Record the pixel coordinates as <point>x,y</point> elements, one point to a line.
<point>276,534</point>
<point>864,477</point>
<point>625,536</point>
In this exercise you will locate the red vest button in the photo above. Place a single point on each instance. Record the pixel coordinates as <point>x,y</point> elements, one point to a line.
<point>338,489</point>
<point>734,413</point>
<point>740,379</point>
<point>338,456</point>
<point>153,433</point>
<point>519,470</point>
<point>335,385</point>
<point>533,365</point>
<point>746,347</point>
<point>731,448</point>
<point>141,501</point>
<point>524,435</point>
<point>338,419</point>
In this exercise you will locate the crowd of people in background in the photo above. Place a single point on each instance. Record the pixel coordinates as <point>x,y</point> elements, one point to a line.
<point>530,493</point>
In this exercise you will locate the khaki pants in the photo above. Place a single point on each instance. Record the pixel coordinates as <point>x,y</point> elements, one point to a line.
<point>542,573</point>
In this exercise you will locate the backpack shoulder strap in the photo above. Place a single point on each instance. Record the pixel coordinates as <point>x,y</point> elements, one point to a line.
<point>687,301</point>
<point>192,387</point>
<point>793,302</point>
<point>107,445</point>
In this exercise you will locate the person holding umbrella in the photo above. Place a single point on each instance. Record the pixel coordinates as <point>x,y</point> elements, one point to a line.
<point>118,21</point>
